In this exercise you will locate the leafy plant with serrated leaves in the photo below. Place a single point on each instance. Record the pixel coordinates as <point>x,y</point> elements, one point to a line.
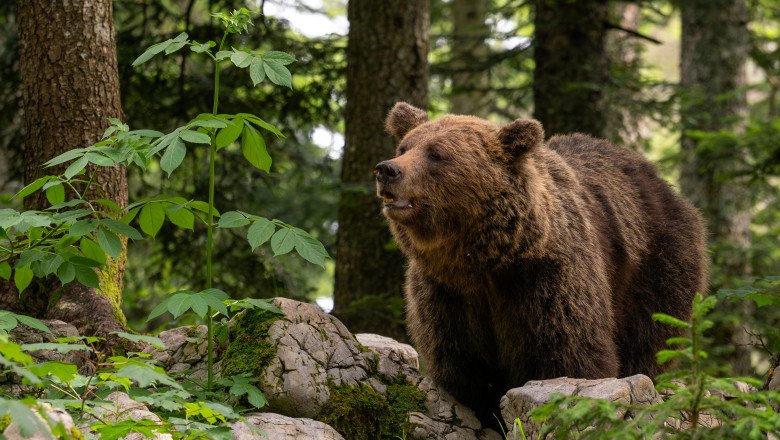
<point>185,411</point>
<point>694,403</point>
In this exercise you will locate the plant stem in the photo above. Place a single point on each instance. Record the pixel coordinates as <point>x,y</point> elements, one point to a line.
<point>210,229</point>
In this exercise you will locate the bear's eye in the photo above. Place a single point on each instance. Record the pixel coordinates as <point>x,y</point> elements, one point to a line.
<point>401,151</point>
<point>434,156</point>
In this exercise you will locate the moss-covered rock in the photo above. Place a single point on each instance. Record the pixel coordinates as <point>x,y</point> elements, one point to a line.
<point>363,413</point>
<point>249,350</point>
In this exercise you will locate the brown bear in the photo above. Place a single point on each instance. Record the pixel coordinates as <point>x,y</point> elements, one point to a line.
<point>530,260</point>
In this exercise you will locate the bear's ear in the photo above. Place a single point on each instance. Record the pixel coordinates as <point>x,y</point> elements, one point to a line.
<point>403,118</point>
<point>521,136</point>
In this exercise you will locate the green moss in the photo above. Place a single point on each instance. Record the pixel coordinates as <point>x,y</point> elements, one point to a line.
<point>249,350</point>
<point>5,421</point>
<point>362,413</point>
<point>110,280</point>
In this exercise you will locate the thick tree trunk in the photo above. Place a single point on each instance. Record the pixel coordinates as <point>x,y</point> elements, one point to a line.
<point>571,65</point>
<point>387,62</point>
<point>470,80</point>
<point>70,87</point>
<point>714,50</point>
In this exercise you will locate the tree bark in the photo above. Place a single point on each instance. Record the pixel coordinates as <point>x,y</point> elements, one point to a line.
<point>714,51</point>
<point>387,62</point>
<point>70,87</point>
<point>571,65</point>
<point>470,84</point>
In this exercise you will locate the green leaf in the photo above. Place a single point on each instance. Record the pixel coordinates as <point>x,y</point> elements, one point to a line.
<point>63,371</point>
<point>665,356</point>
<point>173,156</point>
<point>232,219</point>
<point>253,147</point>
<point>209,120</point>
<point>262,124</point>
<point>146,133</point>
<point>670,320</point>
<point>241,59</point>
<point>151,340</point>
<point>32,323</point>
<point>213,298</point>
<point>283,241</point>
<point>151,52</point>
<point>55,194</point>
<point>279,57</point>
<point>229,134</point>
<point>202,47</point>
<point>28,421</point>
<point>66,272</point>
<point>92,251</point>
<point>5,270</point>
<point>87,276</point>
<point>179,303</point>
<point>122,228</point>
<point>152,218</point>
<point>158,310</point>
<point>309,248</point>
<point>23,276</point>
<point>256,72</point>
<point>86,262</point>
<point>51,263</point>
<point>109,242</point>
<point>277,73</point>
<point>180,216</point>
<point>146,376</point>
<point>223,54</point>
<point>174,47</point>
<point>82,227</point>
<point>260,231</point>
<point>34,186</point>
<point>76,167</point>
<point>100,160</point>
<point>199,305</point>
<point>195,137</point>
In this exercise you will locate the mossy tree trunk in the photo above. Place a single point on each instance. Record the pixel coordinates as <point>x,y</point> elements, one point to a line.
<point>387,62</point>
<point>714,51</point>
<point>470,77</point>
<point>571,65</point>
<point>70,87</point>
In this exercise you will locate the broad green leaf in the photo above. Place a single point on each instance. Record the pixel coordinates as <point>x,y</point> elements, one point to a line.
<point>213,298</point>
<point>151,52</point>
<point>195,137</point>
<point>277,73</point>
<point>86,262</point>
<point>232,219</point>
<point>87,276</point>
<point>180,216</point>
<point>179,38</point>
<point>124,429</point>
<point>51,263</point>
<point>109,242</point>
<point>279,57</point>
<point>158,310</point>
<point>179,303</point>
<point>110,204</point>
<point>23,276</point>
<point>174,47</point>
<point>202,47</point>
<point>99,160</point>
<point>146,133</point>
<point>229,134</point>
<point>173,156</point>
<point>223,54</point>
<point>309,248</point>
<point>262,124</point>
<point>283,241</point>
<point>76,167</point>
<point>209,121</point>
<point>92,251</point>
<point>260,231</point>
<point>29,255</point>
<point>241,59</point>
<point>199,305</point>
<point>34,186</point>
<point>220,295</point>
<point>5,270</point>
<point>122,228</point>
<point>63,371</point>
<point>152,218</point>
<point>66,272</point>
<point>9,217</point>
<point>253,147</point>
<point>55,194</point>
<point>201,206</point>
<point>151,340</point>
<point>146,376</point>
<point>82,227</point>
<point>256,71</point>
<point>65,157</point>
<point>32,323</point>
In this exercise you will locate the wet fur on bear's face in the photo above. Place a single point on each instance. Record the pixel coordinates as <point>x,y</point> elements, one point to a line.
<point>445,170</point>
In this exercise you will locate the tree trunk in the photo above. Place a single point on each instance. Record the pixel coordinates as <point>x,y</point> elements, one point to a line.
<point>714,50</point>
<point>387,62</point>
<point>571,65</point>
<point>470,80</point>
<point>70,87</point>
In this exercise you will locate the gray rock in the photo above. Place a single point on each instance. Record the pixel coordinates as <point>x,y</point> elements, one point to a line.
<point>121,407</point>
<point>269,426</point>
<point>55,415</point>
<point>390,348</point>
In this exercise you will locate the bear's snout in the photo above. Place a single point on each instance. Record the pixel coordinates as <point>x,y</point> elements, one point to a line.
<point>387,172</point>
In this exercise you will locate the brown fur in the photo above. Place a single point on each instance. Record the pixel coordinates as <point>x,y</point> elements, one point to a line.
<point>533,261</point>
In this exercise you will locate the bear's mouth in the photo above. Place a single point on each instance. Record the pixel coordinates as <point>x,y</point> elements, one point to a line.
<point>392,202</point>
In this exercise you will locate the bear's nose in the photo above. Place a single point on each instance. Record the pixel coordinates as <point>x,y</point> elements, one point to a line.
<point>387,171</point>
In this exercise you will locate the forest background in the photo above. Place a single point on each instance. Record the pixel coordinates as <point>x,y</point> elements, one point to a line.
<point>691,84</point>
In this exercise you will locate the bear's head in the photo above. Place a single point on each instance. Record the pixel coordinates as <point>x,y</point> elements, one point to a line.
<point>448,172</point>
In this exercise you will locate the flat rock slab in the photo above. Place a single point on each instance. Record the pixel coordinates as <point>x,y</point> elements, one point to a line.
<point>270,426</point>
